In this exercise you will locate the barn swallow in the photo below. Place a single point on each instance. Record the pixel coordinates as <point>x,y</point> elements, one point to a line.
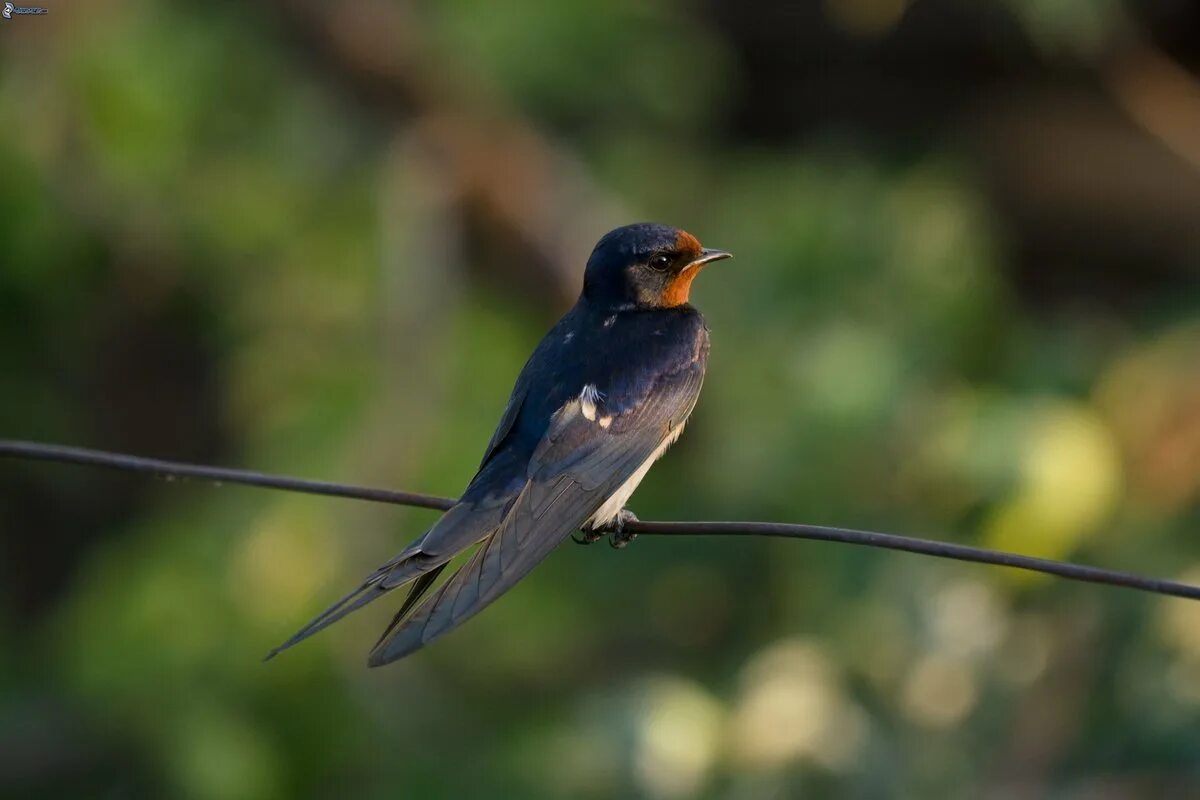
<point>603,396</point>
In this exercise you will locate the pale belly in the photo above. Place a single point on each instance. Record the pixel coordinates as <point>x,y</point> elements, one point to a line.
<point>613,505</point>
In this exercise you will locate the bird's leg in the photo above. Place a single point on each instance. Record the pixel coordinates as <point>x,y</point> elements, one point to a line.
<point>618,536</point>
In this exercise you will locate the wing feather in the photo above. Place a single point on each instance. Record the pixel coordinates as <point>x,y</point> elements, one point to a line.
<point>574,469</point>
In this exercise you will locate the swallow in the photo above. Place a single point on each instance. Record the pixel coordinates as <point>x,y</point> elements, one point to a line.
<point>603,396</point>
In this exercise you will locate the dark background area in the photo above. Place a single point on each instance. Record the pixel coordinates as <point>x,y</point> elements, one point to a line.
<point>321,239</point>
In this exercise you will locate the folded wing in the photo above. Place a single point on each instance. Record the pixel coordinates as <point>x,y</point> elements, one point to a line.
<point>580,462</point>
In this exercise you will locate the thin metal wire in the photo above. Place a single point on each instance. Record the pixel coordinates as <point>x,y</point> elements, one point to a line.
<point>171,469</point>
<point>35,451</point>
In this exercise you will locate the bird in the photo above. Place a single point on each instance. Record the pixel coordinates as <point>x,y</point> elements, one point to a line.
<point>604,394</point>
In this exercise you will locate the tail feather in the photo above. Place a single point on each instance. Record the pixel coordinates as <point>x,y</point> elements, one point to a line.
<point>380,583</point>
<point>423,560</point>
<point>415,593</point>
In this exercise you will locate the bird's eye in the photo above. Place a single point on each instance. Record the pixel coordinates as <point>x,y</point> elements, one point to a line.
<point>660,263</point>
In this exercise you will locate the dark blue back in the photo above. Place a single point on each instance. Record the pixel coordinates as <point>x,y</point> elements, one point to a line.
<point>622,354</point>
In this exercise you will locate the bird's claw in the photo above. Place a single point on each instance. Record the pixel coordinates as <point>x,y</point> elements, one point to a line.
<point>590,536</point>
<point>618,537</point>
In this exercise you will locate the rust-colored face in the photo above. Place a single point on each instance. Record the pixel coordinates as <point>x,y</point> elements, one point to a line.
<point>679,285</point>
<point>690,258</point>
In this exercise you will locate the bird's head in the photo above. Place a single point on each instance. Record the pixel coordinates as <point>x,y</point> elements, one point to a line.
<point>645,266</point>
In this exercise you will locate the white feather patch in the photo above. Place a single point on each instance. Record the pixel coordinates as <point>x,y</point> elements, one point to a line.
<point>588,398</point>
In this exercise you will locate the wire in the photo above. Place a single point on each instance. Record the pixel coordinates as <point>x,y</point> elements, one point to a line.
<point>171,470</point>
<point>34,451</point>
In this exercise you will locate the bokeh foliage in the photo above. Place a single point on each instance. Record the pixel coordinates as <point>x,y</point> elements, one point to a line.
<point>218,242</point>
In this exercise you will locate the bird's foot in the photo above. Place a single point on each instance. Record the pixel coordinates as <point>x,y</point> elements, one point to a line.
<point>618,536</point>
<point>590,536</point>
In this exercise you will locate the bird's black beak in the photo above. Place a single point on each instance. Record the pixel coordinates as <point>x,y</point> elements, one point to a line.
<point>708,255</point>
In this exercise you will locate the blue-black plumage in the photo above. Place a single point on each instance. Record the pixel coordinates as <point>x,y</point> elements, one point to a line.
<point>603,395</point>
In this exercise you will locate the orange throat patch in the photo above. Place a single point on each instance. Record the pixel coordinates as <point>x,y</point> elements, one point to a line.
<point>676,291</point>
<point>679,287</point>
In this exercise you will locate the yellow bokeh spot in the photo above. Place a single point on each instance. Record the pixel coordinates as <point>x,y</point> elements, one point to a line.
<point>939,692</point>
<point>1070,480</point>
<point>967,619</point>
<point>792,706</point>
<point>282,563</point>
<point>678,737</point>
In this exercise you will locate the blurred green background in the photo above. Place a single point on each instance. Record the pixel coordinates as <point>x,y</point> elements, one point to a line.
<point>321,239</point>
